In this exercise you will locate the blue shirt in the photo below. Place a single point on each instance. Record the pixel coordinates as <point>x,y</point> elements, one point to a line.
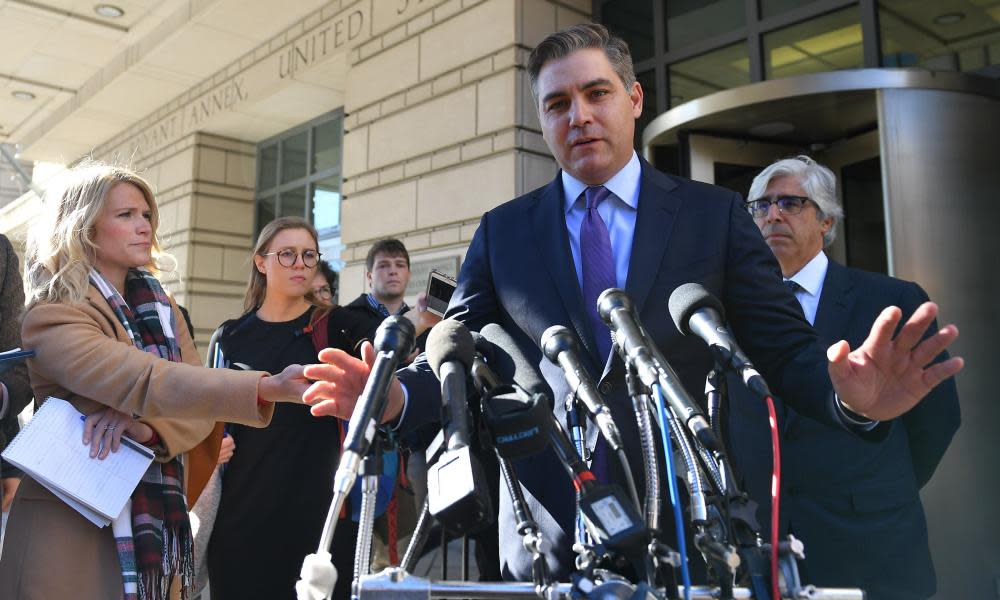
<point>618,211</point>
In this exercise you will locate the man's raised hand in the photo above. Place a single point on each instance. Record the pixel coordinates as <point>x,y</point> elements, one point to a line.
<point>339,382</point>
<point>885,377</point>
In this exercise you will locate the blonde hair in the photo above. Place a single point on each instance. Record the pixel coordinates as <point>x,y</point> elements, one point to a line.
<point>257,284</point>
<point>60,250</point>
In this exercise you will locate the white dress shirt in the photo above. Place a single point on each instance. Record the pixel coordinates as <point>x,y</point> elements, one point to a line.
<point>810,279</point>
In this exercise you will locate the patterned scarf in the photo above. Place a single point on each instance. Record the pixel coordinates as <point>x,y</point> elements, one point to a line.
<point>157,543</point>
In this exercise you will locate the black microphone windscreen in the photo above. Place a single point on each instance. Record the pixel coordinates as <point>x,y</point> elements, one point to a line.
<point>395,334</point>
<point>510,364</point>
<point>687,299</point>
<point>450,340</point>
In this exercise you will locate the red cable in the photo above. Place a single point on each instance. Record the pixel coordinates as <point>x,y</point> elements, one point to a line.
<point>393,527</point>
<point>772,420</point>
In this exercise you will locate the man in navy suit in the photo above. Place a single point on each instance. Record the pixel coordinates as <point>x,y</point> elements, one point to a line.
<point>854,503</point>
<point>610,219</point>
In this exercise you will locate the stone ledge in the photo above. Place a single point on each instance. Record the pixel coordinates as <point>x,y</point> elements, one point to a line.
<point>463,151</point>
<point>474,71</point>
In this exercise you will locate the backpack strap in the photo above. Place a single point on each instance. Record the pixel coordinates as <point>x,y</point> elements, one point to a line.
<point>319,329</point>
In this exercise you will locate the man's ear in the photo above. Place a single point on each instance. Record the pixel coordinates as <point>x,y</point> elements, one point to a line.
<point>636,97</point>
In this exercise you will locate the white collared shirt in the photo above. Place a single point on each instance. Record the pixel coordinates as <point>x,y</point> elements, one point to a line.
<point>619,212</point>
<point>810,278</point>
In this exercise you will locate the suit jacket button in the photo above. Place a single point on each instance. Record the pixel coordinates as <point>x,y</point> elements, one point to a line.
<point>605,387</point>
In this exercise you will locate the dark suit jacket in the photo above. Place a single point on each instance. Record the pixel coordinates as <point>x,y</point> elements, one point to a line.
<point>519,273</point>
<point>11,309</point>
<point>854,503</point>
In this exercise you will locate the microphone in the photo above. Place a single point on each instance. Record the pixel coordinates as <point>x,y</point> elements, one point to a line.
<point>696,311</point>
<point>482,376</point>
<point>616,309</point>
<point>394,340</point>
<point>609,514</point>
<point>560,346</point>
<point>520,414</point>
<point>511,364</point>
<point>450,352</point>
<point>455,483</point>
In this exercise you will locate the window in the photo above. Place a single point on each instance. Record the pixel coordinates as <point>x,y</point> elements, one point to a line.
<point>825,43</point>
<point>941,36</point>
<point>717,70</point>
<point>299,174</point>
<point>691,21</point>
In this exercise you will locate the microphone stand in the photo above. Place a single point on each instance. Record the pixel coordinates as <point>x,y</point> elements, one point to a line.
<point>318,575</point>
<point>371,470</point>
<point>576,429</point>
<point>640,399</point>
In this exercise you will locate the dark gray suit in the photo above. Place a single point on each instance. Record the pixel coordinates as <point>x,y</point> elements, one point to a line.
<point>854,503</point>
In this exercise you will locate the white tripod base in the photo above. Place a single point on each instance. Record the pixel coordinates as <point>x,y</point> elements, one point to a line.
<point>317,578</point>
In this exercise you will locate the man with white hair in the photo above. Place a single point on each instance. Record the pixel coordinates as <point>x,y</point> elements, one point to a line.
<point>855,503</point>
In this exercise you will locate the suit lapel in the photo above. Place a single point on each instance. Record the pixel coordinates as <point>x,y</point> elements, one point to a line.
<point>835,304</point>
<point>549,223</point>
<point>653,224</point>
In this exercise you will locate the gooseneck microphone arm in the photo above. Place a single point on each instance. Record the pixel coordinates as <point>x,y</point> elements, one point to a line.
<point>695,311</point>
<point>394,339</point>
<point>561,347</point>
<point>640,404</point>
<point>616,309</point>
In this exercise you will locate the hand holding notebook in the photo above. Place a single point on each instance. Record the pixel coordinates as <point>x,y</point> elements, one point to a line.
<point>50,450</point>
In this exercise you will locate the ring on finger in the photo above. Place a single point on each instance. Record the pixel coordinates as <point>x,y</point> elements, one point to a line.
<point>111,428</point>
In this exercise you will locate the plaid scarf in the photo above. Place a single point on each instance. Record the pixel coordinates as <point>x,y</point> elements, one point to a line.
<point>157,543</point>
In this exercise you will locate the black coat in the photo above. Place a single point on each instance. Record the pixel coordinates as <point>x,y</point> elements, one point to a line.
<point>11,309</point>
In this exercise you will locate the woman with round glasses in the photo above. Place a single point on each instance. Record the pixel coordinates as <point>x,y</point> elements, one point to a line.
<point>111,342</point>
<point>277,487</point>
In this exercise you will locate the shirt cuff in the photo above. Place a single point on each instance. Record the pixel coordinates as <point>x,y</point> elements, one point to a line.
<point>852,418</point>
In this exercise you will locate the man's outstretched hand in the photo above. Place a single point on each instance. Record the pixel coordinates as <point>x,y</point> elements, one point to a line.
<point>885,377</point>
<point>339,382</point>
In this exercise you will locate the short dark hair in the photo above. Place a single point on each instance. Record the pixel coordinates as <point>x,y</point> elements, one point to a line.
<point>332,277</point>
<point>579,37</point>
<point>389,247</point>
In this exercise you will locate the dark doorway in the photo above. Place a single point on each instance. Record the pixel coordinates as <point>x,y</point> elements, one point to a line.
<point>736,177</point>
<point>864,216</point>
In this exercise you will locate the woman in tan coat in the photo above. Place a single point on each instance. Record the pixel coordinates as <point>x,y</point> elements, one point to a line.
<point>107,339</point>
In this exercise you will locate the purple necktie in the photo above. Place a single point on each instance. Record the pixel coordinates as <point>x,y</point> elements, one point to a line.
<point>598,266</point>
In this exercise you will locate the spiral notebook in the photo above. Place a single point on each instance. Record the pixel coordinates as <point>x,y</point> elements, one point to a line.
<point>50,449</point>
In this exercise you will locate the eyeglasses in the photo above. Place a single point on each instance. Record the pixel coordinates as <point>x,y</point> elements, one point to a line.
<point>324,292</point>
<point>288,257</point>
<point>787,205</point>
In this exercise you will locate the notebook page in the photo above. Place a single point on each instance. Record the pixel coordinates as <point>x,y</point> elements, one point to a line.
<point>50,450</point>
